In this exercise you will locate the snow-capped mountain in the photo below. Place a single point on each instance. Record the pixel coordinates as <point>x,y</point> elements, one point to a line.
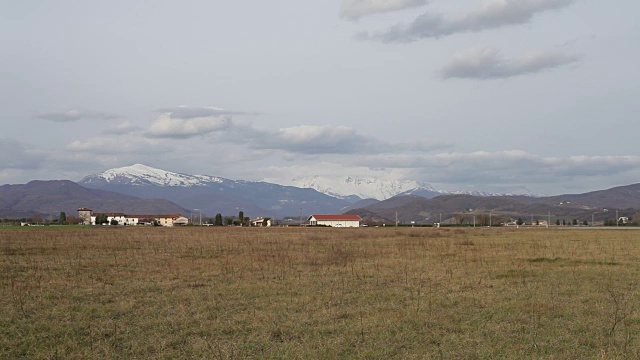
<point>372,188</point>
<point>140,174</point>
<point>211,194</point>
<point>365,188</point>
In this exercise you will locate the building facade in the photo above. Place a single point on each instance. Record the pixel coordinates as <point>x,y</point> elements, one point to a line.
<point>334,220</point>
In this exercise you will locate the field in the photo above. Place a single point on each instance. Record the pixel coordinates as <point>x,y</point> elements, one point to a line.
<point>301,293</point>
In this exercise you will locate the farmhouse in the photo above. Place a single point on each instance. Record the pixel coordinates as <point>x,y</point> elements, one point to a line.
<point>89,217</point>
<point>335,220</point>
<point>261,222</point>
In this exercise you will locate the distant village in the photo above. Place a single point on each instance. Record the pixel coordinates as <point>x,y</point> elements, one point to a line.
<point>86,216</point>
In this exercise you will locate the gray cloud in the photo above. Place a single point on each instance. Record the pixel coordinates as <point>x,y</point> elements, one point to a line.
<point>354,9</point>
<point>74,115</point>
<point>18,155</point>
<point>323,139</point>
<point>485,63</point>
<point>501,171</point>
<point>313,139</point>
<point>515,167</point>
<point>493,14</point>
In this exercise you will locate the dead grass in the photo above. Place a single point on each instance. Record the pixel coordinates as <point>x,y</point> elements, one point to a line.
<point>319,293</point>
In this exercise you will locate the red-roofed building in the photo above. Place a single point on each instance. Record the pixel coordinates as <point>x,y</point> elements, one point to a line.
<point>335,220</point>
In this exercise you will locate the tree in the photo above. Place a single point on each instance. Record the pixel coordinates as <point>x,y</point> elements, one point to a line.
<point>558,222</point>
<point>564,222</point>
<point>585,223</point>
<point>519,222</point>
<point>101,219</point>
<point>62,218</point>
<point>114,222</point>
<point>574,222</point>
<point>228,221</point>
<point>218,220</point>
<point>241,217</point>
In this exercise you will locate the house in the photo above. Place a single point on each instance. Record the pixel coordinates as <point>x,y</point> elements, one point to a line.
<point>261,222</point>
<point>119,217</point>
<point>128,219</point>
<point>335,220</point>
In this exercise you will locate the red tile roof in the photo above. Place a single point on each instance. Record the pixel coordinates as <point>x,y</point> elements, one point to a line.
<point>347,217</point>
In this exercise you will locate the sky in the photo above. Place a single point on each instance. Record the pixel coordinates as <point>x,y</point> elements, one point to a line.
<point>492,95</point>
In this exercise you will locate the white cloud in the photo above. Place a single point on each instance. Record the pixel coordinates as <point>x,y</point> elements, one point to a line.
<point>191,112</point>
<point>73,115</point>
<point>491,15</point>
<point>315,139</point>
<point>125,127</point>
<point>486,63</point>
<point>168,126</point>
<point>354,9</point>
<point>129,145</point>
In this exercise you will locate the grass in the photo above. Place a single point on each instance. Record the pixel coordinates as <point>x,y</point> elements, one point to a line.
<point>226,293</point>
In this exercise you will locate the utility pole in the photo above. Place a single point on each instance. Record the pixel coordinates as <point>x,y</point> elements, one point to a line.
<point>396,219</point>
<point>474,220</point>
<point>592,216</point>
<point>549,220</point>
<point>490,222</point>
<point>617,218</point>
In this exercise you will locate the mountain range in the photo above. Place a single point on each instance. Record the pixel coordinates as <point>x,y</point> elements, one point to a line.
<point>49,198</point>
<point>144,189</point>
<point>593,206</point>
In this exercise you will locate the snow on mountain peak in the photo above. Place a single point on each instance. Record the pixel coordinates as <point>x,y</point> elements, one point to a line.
<point>140,174</point>
<point>363,187</point>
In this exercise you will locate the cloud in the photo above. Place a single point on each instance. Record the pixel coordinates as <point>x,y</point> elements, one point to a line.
<point>322,139</point>
<point>172,127</point>
<point>191,112</point>
<point>74,115</point>
<point>108,145</point>
<point>18,155</point>
<point>125,127</point>
<point>492,14</point>
<point>354,9</point>
<point>314,139</point>
<point>486,63</point>
<point>512,167</point>
<point>500,171</point>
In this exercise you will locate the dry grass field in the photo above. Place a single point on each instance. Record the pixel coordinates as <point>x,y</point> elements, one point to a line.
<point>301,293</point>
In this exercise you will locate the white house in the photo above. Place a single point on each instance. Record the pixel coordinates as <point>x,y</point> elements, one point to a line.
<point>335,220</point>
<point>261,222</point>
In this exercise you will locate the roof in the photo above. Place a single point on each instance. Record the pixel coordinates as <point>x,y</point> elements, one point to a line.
<point>346,217</point>
<point>113,214</point>
<point>166,216</point>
